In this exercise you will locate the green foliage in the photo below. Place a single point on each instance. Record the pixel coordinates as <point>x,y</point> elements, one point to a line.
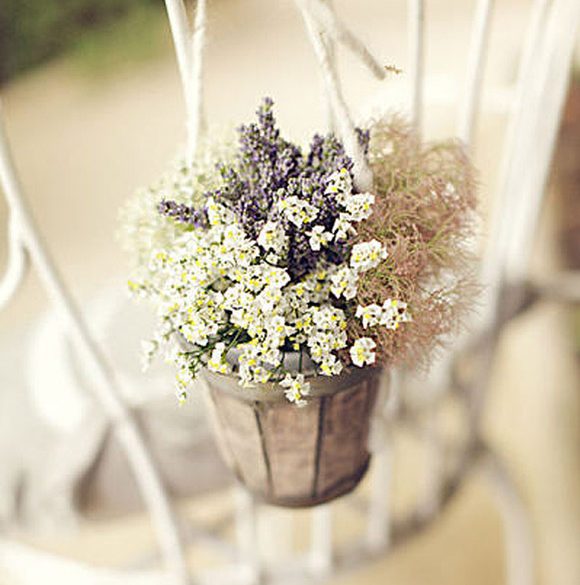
<point>139,36</point>
<point>31,31</point>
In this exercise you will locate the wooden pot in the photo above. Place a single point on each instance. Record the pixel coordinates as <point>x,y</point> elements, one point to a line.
<point>290,456</point>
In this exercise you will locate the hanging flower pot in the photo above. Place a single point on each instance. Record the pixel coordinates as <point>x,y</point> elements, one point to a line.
<point>290,284</point>
<point>296,457</point>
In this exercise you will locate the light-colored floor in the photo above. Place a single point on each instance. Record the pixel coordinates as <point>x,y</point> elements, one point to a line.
<point>83,144</point>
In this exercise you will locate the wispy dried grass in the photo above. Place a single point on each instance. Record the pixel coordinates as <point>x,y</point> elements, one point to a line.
<point>425,215</point>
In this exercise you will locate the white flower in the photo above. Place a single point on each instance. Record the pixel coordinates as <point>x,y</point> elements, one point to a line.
<point>261,375</point>
<point>186,373</point>
<point>236,297</point>
<point>234,236</point>
<point>248,363</point>
<point>359,205</point>
<point>325,335</point>
<point>253,279</point>
<point>330,366</point>
<point>217,361</point>
<point>297,211</point>
<point>276,330</point>
<point>394,313</point>
<point>275,277</point>
<point>218,214</point>
<point>207,281</point>
<point>273,237</point>
<point>340,184</point>
<point>370,315</point>
<point>344,282</point>
<point>196,329</point>
<point>296,388</point>
<point>327,316</point>
<point>367,255</point>
<point>319,237</point>
<point>342,227</point>
<point>362,352</point>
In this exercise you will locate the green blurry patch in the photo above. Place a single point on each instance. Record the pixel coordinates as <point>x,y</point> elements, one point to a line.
<point>33,31</point>
<point>139,36</point>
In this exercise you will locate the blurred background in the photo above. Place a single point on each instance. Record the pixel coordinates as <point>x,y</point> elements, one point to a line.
<point>93,108</point>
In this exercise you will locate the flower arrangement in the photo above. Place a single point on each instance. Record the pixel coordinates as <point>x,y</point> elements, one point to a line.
<point>260,250</point>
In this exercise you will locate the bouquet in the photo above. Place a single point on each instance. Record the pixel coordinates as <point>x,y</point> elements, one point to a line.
<point>265,261</point>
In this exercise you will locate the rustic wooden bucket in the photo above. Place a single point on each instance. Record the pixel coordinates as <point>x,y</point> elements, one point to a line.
<point>290,456</point>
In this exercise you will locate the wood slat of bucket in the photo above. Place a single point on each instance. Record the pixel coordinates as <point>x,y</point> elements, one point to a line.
<point>242,437</point>
<point>292,456</point>
<point>343,454</point>
<point>290,437</point>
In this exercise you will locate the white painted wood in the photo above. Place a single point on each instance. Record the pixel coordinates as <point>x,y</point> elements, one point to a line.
<point>106,384</point>
<point>517,531</point>
<point>378,514</point>
<point>475,68</point>
<point>196,122</point>
<point>546,102</point>
<point>433,472</point>
<point>277,544</point>
<point>189,50</point>
<point>191,534</point>
<point>343,119</point>
<point>24,565</point>
<point>247,536</point>
<point>506,201</point>
<point>546,58</point>
<point>378,530</point>
<point>179,24</point>
<point>542,82</point>
<point>330,44</point>
<point>325,14</point>
<point>321,541</point>
<point>416,33</point>
<point>333,31</point>
<point>17,265</point>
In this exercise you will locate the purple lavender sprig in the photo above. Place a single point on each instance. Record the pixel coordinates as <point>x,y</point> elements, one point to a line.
<point>269,168</point>
<point>183,213</point>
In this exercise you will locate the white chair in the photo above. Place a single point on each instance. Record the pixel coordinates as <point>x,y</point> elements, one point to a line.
<point>533,121</point>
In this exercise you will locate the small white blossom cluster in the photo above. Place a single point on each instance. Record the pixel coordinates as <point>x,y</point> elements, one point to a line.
<point>143,228</point>
<point>297,211</point>
<point>390,315</point>
<point>296,388</point>
<point>362,352</point>
<point>233,305</point>
<point>356,206</point>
